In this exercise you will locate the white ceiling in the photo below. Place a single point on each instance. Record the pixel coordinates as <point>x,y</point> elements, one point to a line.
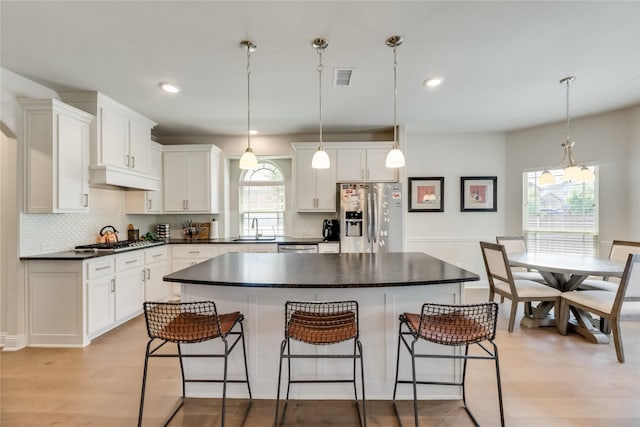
<point>501,60</point>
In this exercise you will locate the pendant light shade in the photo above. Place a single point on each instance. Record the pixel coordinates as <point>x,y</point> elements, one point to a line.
<point>320,159</point>
<point>395,158</point>
<point>572,171</point>
<point>248,159</point>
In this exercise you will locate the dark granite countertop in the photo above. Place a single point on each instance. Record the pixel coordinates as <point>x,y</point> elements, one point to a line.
<point>294,270</point>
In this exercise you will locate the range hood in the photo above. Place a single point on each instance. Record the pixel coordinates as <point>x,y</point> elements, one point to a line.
<point>108,176</point>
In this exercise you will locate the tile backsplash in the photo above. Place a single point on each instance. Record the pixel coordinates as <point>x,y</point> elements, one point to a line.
<point>45,233</point>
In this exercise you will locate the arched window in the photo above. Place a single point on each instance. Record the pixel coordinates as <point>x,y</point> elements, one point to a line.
<point>262,200</point>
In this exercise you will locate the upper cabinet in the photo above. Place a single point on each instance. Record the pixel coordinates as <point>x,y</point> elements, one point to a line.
<point>315,188</point>
<point>191,178</point>
<point>365,162</point>
<point>120,142</point>
<point>148,202</point>
<point>56,144</point>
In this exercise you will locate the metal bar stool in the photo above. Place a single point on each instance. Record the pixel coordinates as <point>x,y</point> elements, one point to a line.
<point>187,323</point>
<point>321,323</point>
<point>452,325</point>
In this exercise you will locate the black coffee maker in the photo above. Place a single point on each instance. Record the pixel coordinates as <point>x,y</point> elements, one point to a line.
<point>331,230</point>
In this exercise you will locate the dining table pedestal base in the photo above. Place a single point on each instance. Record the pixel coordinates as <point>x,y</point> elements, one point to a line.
<point>583,326</point>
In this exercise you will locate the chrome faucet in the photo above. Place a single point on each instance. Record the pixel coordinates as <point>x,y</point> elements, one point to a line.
<point>254,224</point>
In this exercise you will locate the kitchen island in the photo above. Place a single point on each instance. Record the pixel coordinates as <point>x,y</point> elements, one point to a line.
<point>385,286</point>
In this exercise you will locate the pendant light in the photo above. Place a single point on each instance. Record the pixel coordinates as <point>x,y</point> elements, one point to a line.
<point>395,158</point>
<point>320,159</point>
<point>248,159</point>
<point>572,171</point>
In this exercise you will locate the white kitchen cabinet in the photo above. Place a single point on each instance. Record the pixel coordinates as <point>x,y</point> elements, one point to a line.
<point>56,141</point>
<point>156,266</point>
<point>315,188</point>
<point>191,178</point>
<point>148,202</point>
<point>120,142</point>
<point>364,164</point>
<point>100,295</point>
<point>129,285</point>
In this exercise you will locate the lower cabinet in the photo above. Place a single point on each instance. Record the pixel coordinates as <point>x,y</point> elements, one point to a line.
<point>129,285</point>
<point>156,266</point>
<point>101,291</point>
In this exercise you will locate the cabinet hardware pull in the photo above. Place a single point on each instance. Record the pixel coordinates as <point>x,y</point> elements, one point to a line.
<point>86,200</point>
<point>194,252</point>
<point>113,285</point>
<point>133,162</point>
<point>156,255</point>
<point>127,160</point>
<point>131,261</point>
<point>106,267</point>
<point>367,173</point>
<point>148,273</point>
<point>149,204</point>
<point>187,201</point>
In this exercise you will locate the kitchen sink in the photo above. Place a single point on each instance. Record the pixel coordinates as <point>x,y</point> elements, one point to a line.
<point>254,239</point>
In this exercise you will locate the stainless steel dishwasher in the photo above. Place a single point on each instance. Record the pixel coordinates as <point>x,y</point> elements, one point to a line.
<point>303,249</point>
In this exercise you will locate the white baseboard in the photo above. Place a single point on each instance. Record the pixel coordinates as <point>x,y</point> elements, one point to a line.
<point>12,342</point>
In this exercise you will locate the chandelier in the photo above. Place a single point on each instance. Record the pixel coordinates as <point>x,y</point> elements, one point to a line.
<point>572,171</point>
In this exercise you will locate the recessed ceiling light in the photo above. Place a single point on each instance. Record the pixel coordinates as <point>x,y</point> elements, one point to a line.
<point>168,87</point>
<point>253,132</point>
<point>433,81</point>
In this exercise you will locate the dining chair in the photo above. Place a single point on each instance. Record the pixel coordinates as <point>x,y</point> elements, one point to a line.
<point>188,323</point>
<point>605,304</point>
<point>449,325</point>
<point>502,282</point>
<point>620,250</point>
<point>321,324</point>
<point>518,244</point>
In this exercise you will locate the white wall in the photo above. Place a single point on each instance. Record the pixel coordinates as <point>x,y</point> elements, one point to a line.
<point>606,139</point>
<point>453,235</point>
<point>634,174</point>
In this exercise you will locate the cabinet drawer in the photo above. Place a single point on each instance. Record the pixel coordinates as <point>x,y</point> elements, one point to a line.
<point>193,251</point>
<point>129,261</point>
<point>99,268</point>
<point>155,255</point>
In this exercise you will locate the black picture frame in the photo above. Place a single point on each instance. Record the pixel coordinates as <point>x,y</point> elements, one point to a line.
<point>479,193</point>
<point>426,194</point>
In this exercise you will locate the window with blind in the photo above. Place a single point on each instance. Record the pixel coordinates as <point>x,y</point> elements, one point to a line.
<point>262,198</point>
<point>560,217</point>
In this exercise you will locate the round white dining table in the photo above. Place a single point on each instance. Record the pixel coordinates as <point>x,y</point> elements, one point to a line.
<point>566,272</point>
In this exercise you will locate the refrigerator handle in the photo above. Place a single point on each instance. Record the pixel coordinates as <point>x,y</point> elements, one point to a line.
<point>374,215</point>
<point>369,219</point>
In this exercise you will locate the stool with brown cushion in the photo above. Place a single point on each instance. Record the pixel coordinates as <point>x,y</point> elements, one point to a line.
<point>189,323</point>
<point>321,323</point>
<point>451,325</point>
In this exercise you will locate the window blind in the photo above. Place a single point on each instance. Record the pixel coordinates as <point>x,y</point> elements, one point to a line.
<point>560,217</point>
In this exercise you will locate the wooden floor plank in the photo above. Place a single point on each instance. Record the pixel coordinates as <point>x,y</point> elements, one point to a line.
<point>548,380</point>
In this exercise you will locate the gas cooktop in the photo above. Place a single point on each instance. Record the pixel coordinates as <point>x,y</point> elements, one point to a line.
<point>125,245</point>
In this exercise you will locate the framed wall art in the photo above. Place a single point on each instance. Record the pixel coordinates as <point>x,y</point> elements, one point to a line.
<point>478,194</point>
<point>426,194</point>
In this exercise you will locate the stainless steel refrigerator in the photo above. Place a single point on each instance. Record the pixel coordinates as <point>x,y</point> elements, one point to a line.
<point>370,216</point>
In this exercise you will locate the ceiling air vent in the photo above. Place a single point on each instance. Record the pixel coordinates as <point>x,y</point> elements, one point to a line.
<point>342,77</point>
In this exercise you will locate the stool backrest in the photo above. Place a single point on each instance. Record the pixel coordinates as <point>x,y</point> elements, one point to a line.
<point>185,322</point>
<point>321,322</point>
<point>458,324</point>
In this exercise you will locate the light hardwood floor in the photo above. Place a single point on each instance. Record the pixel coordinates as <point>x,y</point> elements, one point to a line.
<point>548,380</point>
